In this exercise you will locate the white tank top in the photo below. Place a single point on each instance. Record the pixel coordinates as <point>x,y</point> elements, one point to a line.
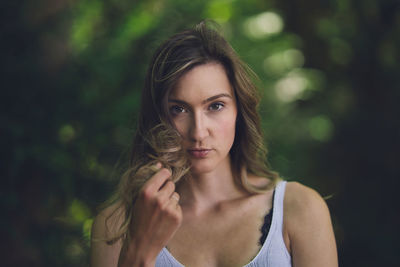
<point>273,252</point>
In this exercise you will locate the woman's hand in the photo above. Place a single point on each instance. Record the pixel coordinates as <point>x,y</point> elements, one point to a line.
<point>157,215</point>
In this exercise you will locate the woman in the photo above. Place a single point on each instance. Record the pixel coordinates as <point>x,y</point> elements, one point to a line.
<point>198,191</point>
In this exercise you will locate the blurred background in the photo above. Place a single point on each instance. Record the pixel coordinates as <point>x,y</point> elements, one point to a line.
<point>71,78</point>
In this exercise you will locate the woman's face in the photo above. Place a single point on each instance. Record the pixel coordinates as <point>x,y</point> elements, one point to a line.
<point>203,108</point>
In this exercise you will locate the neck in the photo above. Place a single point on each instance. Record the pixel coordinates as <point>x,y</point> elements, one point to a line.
<point>202,191</point>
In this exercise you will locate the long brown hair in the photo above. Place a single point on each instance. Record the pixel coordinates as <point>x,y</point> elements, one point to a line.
<point>156,139</point>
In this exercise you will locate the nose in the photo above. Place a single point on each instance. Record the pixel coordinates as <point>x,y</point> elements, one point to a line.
<point>198,129</point>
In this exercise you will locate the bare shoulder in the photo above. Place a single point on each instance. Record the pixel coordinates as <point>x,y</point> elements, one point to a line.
<point>301,199</point>
<point>304,206</point>
<point>307,227</point>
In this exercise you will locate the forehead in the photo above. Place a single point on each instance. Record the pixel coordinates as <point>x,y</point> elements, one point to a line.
<point>202,82</point>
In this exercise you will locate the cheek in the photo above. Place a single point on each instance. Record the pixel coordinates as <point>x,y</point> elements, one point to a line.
<point>227,128</point>
<point>181,126</point>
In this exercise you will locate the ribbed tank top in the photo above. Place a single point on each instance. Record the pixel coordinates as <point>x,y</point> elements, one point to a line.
<point>273,252</point>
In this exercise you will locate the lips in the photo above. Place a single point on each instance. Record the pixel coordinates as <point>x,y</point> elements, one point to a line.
<point>199,152</point>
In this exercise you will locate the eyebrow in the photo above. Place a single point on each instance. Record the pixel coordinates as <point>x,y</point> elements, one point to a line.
<point>204,101</point>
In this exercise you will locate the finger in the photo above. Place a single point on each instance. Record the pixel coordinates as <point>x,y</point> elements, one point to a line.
<point>173,204</point>
<point>156,167</point>
<point>166,191</point>
<point>175,196</point>
<point>157,180</point>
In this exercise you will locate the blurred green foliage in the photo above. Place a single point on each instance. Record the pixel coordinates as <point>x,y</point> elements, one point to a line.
<point>329,77</point>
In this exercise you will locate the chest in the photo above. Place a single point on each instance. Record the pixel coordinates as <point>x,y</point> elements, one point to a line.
<point>225,237</point>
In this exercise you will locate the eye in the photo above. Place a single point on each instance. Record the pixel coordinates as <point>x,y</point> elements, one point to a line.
<point>216,106</point>
<point>175,110</point>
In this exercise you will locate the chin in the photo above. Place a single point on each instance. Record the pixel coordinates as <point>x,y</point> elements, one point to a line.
<point>205,166</point>
<point>202,167</point>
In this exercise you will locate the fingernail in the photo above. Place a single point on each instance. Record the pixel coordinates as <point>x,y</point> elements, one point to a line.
<point>156,167</point>
<point>167,170</point>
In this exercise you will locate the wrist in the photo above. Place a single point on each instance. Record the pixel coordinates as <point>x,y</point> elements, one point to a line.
<point>133,256</point>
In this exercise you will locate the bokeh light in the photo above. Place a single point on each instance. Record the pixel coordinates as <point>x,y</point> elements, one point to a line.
<point>263,25</point>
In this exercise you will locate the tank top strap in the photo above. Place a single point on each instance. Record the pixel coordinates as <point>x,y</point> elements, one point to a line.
<point>278,204</point>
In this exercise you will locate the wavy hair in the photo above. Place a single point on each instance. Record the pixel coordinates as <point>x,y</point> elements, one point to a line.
<point>157,140</point>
